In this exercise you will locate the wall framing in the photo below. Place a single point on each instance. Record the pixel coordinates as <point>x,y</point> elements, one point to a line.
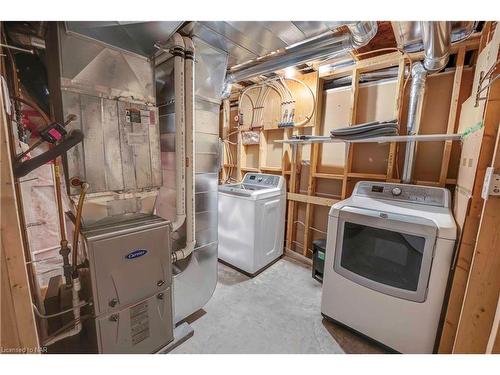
<point>302,165</point>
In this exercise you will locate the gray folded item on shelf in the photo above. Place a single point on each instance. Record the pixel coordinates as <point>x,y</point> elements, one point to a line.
<point>368,130</point>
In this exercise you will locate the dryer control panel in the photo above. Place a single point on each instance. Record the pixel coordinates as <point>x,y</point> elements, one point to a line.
<point>427,195</point>
<point>267,180</point>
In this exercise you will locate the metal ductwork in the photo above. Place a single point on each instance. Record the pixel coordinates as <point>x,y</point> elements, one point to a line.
<point>436,37</point>
<point>326,45</point>
<point>418,78</point>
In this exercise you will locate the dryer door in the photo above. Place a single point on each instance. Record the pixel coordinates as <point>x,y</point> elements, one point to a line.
<point>386,252</point>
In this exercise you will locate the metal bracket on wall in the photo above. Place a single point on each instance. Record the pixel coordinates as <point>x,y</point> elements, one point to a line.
<point>491,185</point>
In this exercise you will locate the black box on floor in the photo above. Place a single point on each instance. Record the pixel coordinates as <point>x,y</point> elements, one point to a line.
<point>51,303</point>
<point>319,247</point>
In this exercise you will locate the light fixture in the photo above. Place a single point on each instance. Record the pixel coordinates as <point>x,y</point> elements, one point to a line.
<point>290,72</point>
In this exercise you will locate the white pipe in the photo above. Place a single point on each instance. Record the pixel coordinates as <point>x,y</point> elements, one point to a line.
<point>75,289</point>
<point>190,156</point>
<point>180,156</point>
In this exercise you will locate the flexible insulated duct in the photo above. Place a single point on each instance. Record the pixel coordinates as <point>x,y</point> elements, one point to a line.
<point>418,78</point>
<point>323,46</point>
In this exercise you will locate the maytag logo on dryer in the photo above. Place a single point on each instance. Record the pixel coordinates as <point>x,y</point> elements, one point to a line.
<point>136,254</point>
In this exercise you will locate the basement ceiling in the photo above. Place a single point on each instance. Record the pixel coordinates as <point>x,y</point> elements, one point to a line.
<point>137,37</point>
<point>247,40</point>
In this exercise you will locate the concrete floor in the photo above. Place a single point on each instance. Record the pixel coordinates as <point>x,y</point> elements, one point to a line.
<point>278,311</point>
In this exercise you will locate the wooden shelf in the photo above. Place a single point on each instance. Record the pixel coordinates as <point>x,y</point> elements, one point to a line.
<point>329,176</point>
<point>272,169</point>
<point>369,176</point>
<point>250,169</point>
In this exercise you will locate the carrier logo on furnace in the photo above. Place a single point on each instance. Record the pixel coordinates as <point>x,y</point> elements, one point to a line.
<point>136,253</point>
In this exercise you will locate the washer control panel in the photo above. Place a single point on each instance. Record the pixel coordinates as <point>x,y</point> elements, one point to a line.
<point>427,195</point>
<point>260,179</point>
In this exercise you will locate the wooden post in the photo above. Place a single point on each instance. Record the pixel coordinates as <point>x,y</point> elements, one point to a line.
<point>483,285</point>
<point>240,157</point>
<point>398,106</point>
<point>452,117</point>
<point>292,188</point>
<point>493,346</point>
<point>352,121</point>
<point>313,165</point>
<point>470,227</point>
<point>16,297</point>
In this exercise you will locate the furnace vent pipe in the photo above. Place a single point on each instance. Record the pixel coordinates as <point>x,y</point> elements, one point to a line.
<point>180,139</point>
<point>323,46</point>
<point>418,78</point>
<point>436,38</point>
<point>190,157</point>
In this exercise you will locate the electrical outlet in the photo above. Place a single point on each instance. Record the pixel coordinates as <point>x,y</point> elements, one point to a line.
<point>491,185</point>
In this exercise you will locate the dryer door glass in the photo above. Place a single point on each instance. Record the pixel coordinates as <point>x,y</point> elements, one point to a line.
<point>381,255</point>
<point>387,252</point>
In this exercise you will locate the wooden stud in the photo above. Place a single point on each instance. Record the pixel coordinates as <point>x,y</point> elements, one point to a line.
<point>18,298</point>
<point>452,117</point>
<point>262,150</point>
<point>292,188</point>
<point>470,227</point>
<point>398,108</point>
<point>311,183</point>
<point>483,285</point>
<point>493,346</point>
<point>240,157</point>
<point>352,121</point>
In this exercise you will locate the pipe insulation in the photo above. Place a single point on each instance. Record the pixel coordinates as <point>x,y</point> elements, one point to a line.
<point>417,92</point>
<point>189,156</point>
<point>180,139</point>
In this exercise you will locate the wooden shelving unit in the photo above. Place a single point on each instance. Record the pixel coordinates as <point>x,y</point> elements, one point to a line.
<point>313,183</point>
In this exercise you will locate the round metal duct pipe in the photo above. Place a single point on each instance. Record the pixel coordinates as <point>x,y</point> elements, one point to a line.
<point>319,47</point>
<point>436,37</point>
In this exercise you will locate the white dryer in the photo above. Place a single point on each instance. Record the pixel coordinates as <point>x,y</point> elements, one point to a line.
<point>252,222</point>
<point>389,252</point>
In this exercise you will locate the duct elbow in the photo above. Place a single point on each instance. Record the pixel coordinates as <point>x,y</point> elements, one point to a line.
<point>436,38</point>
<point>362,32</point>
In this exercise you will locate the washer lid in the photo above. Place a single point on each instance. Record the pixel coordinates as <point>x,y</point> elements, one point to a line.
<point>249,191</point>
<point>441,216</point>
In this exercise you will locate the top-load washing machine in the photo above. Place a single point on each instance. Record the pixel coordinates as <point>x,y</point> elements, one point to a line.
<point>389,252</point>
<point>252,222</point>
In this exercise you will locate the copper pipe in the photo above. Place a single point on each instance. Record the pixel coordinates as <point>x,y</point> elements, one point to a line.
<point>64,251</point>
<point>60,211</point>
<point>34,106</point>
<point>84,186</point>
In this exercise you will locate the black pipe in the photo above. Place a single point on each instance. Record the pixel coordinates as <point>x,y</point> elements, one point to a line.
<point>21,169</point>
